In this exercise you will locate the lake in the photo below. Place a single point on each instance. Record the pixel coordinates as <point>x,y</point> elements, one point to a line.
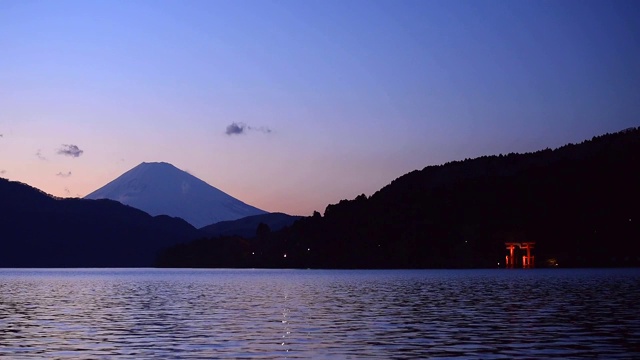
<point>320,314</point>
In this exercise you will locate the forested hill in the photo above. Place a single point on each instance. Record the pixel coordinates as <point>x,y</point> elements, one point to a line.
<point>579,203</point>
<point>38,230</point>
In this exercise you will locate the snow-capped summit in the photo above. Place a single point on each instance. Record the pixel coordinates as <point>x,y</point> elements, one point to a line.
<point>163,189</point>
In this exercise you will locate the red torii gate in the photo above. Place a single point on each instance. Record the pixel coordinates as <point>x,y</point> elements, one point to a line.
<point>528,261</point>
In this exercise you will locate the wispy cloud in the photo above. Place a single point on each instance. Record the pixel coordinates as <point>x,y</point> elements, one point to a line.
<point>261,129</point>
<point>40,156</point>
<point>236,128</point>
<point>64,175</point>
<point>2,172</point>
<point>70,150</point>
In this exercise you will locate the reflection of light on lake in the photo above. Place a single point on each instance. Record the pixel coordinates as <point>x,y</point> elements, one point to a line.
<point>285,312</point>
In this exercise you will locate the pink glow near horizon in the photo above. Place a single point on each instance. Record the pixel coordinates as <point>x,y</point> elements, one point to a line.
<point>330,99</point>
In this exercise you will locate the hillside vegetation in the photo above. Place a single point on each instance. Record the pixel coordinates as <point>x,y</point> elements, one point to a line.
<point>579,203</point>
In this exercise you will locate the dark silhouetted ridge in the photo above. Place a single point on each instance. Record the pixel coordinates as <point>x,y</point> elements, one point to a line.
<point>579,203</point>
<point>246,227</point>
<point>39,230</point>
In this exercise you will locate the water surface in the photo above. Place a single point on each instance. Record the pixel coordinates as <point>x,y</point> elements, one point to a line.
<point>197,314</point>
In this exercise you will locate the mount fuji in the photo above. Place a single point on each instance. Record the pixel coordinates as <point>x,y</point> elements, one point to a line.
<point>162,189</point>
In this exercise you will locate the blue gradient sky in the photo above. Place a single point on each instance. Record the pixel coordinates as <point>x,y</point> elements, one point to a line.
<point>354,93</point>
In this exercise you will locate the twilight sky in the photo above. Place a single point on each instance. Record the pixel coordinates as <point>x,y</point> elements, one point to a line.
<point>293,105</point>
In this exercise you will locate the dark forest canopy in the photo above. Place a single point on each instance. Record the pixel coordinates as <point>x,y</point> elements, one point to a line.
<point>246,227</point>
<point>579,203</point>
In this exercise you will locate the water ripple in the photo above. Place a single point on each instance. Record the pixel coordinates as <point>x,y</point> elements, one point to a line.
<point>273,314</point>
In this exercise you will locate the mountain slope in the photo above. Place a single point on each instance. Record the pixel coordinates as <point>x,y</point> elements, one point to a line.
<point>246,227</point>
<point>579,203</point>
<point>161,188</point>
<point>42,231</point>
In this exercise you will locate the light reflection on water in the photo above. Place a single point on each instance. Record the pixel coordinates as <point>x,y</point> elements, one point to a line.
<point>149,313</point>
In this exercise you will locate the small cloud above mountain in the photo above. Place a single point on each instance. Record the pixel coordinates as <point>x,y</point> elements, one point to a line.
<point>40,156</point>
<point>64,175</point>
<point>236,128</point>
<point>70,150</point>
